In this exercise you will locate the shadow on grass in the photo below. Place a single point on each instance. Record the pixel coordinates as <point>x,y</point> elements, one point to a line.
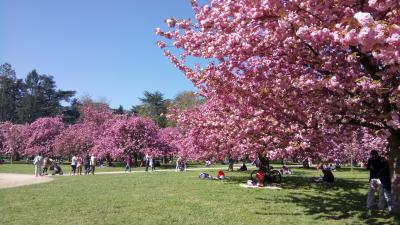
<point>339,204</point>
<point>345,199</point>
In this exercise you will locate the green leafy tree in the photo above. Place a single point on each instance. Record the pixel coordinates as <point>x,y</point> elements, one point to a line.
<point>40,98</point>
<point>187,100</point>
<point>153,106</point>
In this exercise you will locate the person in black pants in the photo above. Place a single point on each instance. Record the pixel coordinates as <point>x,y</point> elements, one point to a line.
<point>86,163</point>
<point>386,188</point>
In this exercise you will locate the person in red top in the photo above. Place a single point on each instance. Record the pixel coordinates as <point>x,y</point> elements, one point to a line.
<point>260,177</point>
<point>221,175</point>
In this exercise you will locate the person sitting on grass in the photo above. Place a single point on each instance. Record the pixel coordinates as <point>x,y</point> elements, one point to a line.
<point>328,176</point>
<point>243,167</point>
<point>221,175</point>
<point>205,176</point>
<point>260,176</point>
<point>286,170</point>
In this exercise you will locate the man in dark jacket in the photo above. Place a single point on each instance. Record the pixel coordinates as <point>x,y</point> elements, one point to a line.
<point>384,177</point>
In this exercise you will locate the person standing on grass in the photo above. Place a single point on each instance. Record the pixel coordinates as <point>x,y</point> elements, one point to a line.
<point>178,164</point>
<point>92,163</point>
<point>231,163</point>
<point>147,162</point>
<point>73,165</point>
<point>86,163</point>
<point>38,161</point>
<point>374,166</point>
<point>79,162</point>
<point>386,189</point>
<point>129,163</point>
<point>151,163</point>
<point>46,164</point>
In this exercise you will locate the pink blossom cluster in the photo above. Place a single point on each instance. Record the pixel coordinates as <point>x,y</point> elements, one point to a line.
<point>290,78</point>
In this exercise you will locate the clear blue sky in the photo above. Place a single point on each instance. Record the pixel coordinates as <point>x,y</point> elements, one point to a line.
<point>103,48</point>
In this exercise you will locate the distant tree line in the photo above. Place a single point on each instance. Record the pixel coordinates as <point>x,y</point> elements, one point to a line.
<point>26,100</point>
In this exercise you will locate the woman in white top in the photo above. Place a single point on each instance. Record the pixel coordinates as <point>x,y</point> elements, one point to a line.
<point>73,165</point>
<point>92,163</point>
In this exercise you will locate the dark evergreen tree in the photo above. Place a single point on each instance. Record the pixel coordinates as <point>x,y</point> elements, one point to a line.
<point>120,110</point>
<point>71,113</point>
<point>10,92</point>
<point>40,98</point>
<point>153,106</point>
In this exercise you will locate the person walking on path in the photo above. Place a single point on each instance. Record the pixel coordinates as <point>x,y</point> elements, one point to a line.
<point>147,162</point>
<point>79,162</point>
<point>374,166</point>
<point>38,161</point>
<point>46,164</point>
<point>129,163</point>
<point>92,163</point>
<point>86,163</point>
<point>178,164</point>
<point>151,163</point>
<point>73,165</point>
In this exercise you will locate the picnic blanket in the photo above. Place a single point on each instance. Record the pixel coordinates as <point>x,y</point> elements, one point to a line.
<point>265,187</point>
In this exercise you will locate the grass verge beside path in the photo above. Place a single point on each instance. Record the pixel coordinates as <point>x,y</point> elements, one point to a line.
<point>182,198</point>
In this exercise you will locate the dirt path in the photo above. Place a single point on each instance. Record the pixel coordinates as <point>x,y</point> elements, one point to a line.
<point>8,180</point>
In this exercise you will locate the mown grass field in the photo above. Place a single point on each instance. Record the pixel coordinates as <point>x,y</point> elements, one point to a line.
<point>182,198</point>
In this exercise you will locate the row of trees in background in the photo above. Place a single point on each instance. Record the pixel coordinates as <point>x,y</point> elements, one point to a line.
<point>97,131</point>
<point>36,96</point>
<point>34,121</point>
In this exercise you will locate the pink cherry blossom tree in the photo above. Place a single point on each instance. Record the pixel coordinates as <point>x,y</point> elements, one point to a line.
<point>13,139</point>
<point>125,135</point>
<point>79,138</point>
<point>290,72</point>
<point>41,135</point>
<point>169,140</point>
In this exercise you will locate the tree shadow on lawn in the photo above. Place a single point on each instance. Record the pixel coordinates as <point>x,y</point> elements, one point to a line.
<point>344,199</point>
<point>339,203</point>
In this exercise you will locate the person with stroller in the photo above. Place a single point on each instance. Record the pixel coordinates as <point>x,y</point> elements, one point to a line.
<point>57,170</point>
<point>46,164</point>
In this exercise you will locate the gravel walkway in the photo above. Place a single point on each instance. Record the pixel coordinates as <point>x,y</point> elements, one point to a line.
<point>8,180</point>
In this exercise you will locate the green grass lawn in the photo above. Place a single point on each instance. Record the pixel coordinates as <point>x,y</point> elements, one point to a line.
<point>182,198</point>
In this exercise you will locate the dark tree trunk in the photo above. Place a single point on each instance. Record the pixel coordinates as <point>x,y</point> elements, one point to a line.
<point>135,156</point>
<point>394,160</point>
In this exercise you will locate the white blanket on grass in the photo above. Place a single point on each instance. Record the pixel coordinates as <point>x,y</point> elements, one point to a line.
<point>265,187</point>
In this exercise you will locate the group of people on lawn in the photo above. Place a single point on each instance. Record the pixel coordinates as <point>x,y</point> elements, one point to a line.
<point>148,162</point>
<point>380,179</point>
<point>43,164</point>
